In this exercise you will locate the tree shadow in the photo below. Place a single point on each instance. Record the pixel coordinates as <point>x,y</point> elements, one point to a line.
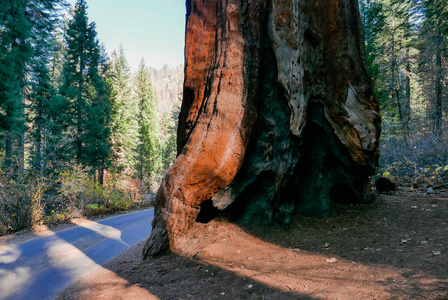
<point>406,233</point>
<point>71,254</point>
<point>39,268</point>
<point>376,248</point>
<point>172,276</point>
<point>384,249</point>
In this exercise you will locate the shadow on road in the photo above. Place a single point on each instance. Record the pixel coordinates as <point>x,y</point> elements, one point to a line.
<point>41,267</point>
<point>378,254</point>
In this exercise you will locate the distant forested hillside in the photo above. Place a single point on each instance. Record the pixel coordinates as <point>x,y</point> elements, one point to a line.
<point>167,84</point>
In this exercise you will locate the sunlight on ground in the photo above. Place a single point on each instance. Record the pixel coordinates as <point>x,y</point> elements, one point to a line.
<point>11,281</point>
<point>105,284</point>
<point>9,255</point>
<point>304,272</point>
<point>41,230</point>
<point>17,267</point>
<point>100,229</point>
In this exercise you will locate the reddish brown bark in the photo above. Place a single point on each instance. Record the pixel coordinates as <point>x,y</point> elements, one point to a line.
<point>278,110</point>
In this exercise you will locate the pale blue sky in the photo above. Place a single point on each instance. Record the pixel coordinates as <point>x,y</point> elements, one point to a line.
<point>149,29</point>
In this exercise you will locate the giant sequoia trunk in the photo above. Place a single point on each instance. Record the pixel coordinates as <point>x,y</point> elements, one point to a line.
<point>278,115</point>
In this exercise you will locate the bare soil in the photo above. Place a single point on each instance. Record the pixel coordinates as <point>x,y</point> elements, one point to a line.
<point>396,248</point>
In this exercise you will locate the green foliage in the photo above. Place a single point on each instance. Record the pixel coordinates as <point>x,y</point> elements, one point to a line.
<point>148,147</point>
<point>124,108</point>
<point>406,50</point>
<point>437,14</point>
<point>433,46</point>
<point>25,32</point>
<point>168,136</point>
<point>373,20</point>
<point>15,53</point>
<point>70,118</point>
<point>85,104</point>
<point>83,197</point>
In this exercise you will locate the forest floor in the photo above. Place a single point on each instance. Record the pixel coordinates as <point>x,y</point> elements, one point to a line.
<point>396,248</point>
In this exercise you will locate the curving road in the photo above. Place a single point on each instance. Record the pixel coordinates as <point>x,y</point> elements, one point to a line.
<point>42,267</point>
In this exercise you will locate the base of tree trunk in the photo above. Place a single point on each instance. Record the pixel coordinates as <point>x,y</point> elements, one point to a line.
<point>320,173</point>
<point>158,241</point>
<point>278,116</point>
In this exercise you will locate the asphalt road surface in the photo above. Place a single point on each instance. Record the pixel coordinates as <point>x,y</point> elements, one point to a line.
<point>42,267</point>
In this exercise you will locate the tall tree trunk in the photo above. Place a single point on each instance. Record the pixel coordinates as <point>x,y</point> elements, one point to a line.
<point>407,84</point>
<point>101,173</point>
<point>407,104</point>
<point>39,141</point>
<point>438,87</point>
<point>79,109</point>
<point>140,168</point>
<point>278,115</point>
<point>395,87</point>
<point>79,131</point>
<point>8,151</point>
<point>21,153</point>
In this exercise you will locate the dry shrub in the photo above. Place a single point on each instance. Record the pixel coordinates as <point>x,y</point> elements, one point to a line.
<point>421,160</point>
<point>27,198</point>
<point>20,204</point>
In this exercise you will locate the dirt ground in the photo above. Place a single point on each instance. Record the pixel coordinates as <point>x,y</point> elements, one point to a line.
<point>396,248</point>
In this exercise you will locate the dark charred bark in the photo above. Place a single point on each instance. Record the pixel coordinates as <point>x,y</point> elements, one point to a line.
<point>278,115</point>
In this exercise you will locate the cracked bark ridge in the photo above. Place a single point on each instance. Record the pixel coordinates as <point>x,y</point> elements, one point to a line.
<point>278,115</point>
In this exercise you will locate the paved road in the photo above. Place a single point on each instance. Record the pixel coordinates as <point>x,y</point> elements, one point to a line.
<point>40,268</point>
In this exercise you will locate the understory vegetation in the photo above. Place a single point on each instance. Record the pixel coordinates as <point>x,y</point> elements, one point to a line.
<point>407,58</point>
<point>81,135</point>
<point>31,200</point>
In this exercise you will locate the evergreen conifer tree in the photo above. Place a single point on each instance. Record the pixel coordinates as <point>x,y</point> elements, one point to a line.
<point>25,27</point>
<point>41,82</point>
<point>432,61</point>
<point>85,102</point>
<point>148,148</point>
<point>15,52</point>
<point>124,109</point>
<point>168,135</point>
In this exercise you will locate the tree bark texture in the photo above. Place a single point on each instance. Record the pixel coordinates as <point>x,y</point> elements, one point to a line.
<point>278,115</point>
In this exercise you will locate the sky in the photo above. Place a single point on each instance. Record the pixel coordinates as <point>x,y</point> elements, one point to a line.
<point>149,29</point>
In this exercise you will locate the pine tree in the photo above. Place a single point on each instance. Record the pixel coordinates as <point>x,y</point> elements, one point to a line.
<point>405,16</point>
<point>85,101</point>
<point>168,135</point>
<point>390,35</point>
<point>96,138</point>
<point>433,53</point>
<point>437,13</point>
<point>124,108</point>
<point>24,28</point>
<point>373,21</point>
<point>148,148</point>
<point>15,52</point>
<point>42,93</point>
<point>42,83</point>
